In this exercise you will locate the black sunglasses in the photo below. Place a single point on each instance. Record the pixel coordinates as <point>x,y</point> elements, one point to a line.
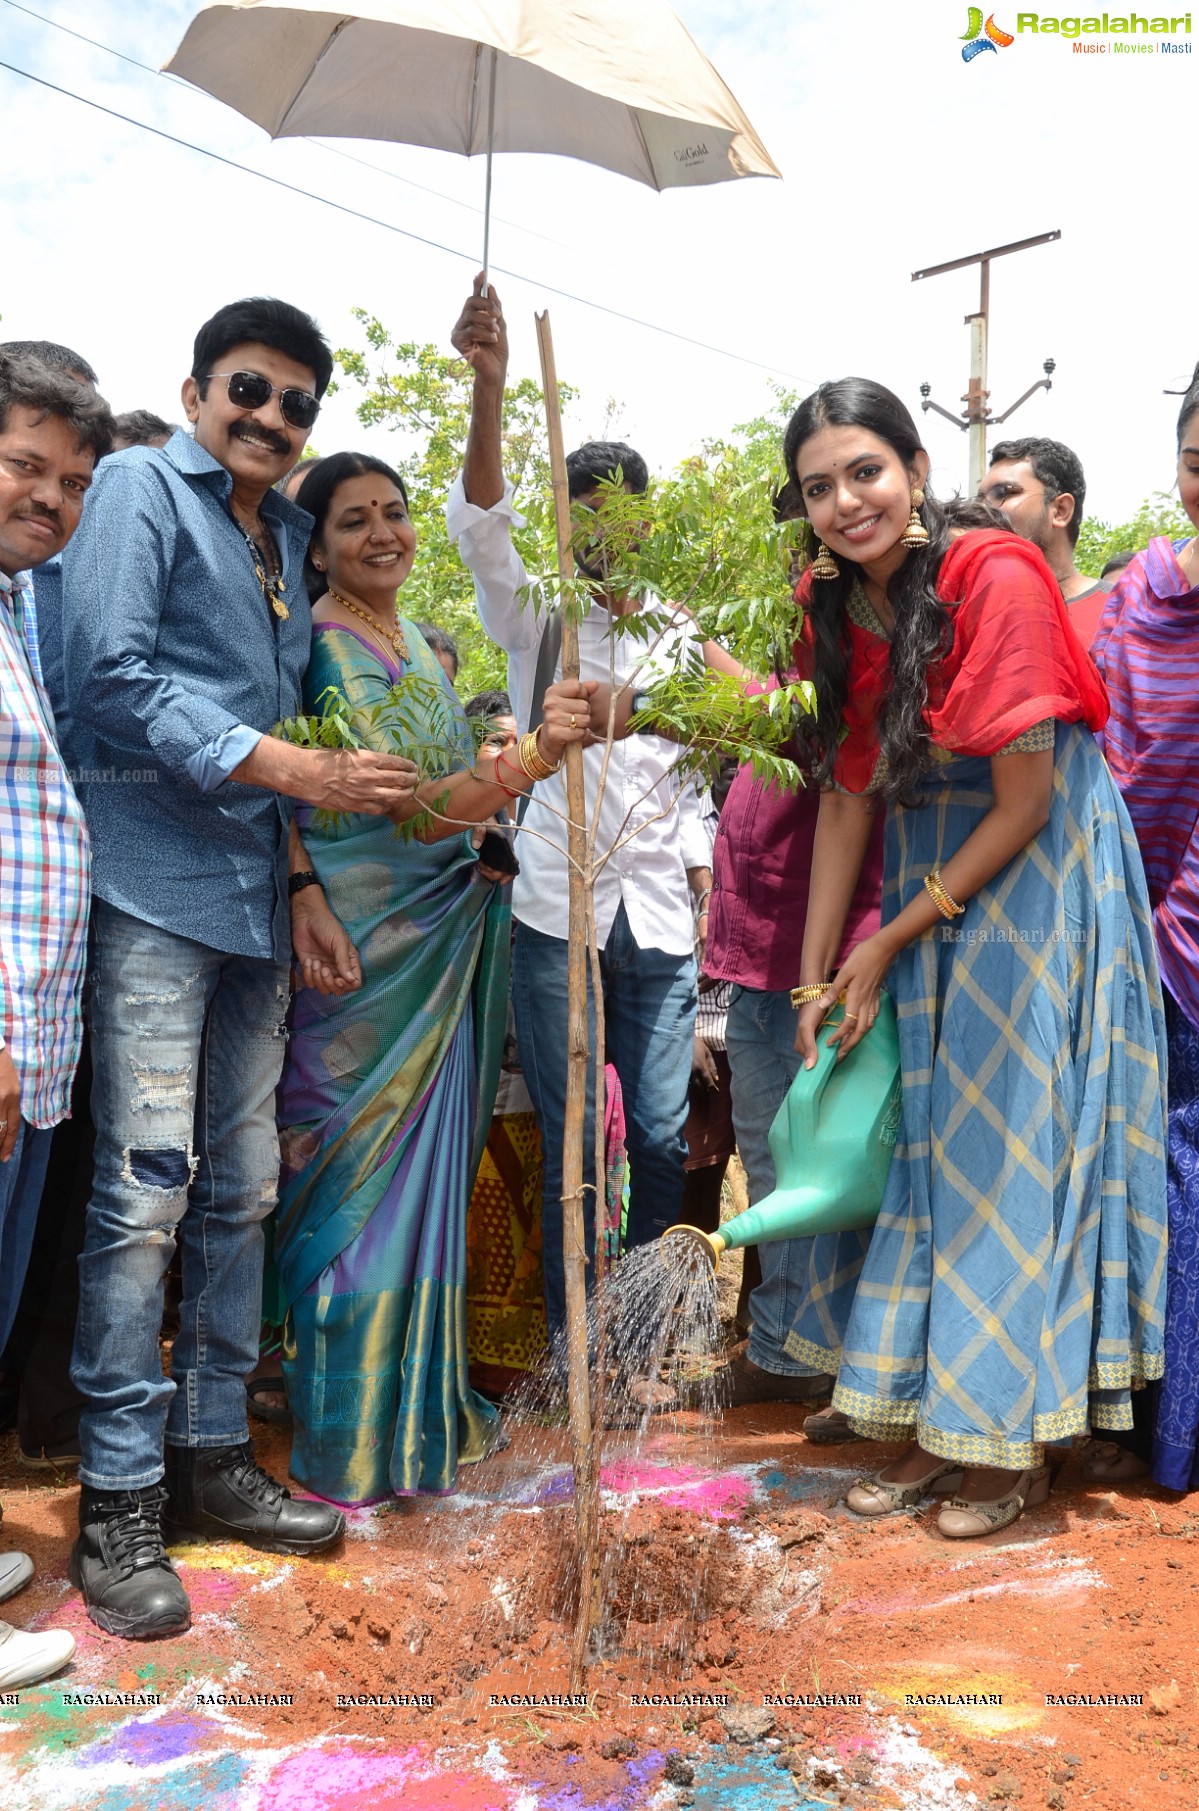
<point>249,390</point>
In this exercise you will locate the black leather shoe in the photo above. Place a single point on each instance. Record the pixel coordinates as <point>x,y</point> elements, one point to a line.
<point>120,1564</point>
<point>219,1493</point>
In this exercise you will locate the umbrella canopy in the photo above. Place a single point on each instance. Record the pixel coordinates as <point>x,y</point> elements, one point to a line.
<point>620,83</point>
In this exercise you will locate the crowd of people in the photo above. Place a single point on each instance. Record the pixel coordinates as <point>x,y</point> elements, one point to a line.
<point>260,989</point>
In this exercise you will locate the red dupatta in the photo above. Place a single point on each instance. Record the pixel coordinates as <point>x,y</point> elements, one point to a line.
<point>1015,658</point>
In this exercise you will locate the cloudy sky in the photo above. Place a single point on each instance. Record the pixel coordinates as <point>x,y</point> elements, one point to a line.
<point>895,154</point>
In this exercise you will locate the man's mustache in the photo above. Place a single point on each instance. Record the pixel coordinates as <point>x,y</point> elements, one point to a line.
<point>39,514</point>
<point>243,430</point>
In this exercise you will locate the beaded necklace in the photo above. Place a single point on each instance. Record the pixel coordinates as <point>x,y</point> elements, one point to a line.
<point>398,645</point>
<point>272,582</point>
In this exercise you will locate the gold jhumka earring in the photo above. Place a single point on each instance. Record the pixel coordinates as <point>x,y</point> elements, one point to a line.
<point>915,534</point>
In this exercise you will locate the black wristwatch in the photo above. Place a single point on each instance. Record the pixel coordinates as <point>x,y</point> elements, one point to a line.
<point>640,701</point>
<point>303,877</point>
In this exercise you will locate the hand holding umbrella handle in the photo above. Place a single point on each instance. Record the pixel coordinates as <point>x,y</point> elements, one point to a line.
<point>480,335</point>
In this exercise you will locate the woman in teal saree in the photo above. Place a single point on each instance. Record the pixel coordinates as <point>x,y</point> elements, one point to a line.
<point>387,1091</point>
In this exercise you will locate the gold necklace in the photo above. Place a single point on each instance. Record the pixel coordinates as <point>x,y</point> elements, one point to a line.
<point>272,583</point>
<point>399,646</point>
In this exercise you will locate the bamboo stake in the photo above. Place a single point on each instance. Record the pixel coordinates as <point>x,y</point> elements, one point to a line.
<point>574,1247</point>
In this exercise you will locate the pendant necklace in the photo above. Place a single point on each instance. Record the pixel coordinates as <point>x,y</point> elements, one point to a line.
<point>272,582</point>
<point>396,637</point>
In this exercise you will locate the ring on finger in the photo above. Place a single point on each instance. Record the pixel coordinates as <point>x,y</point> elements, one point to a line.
<point>850,1015</point>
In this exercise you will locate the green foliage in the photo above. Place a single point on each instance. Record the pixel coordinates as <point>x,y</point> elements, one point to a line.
<point>710,716</point>
<point>712,542</point>
<point>1097,541</point>
<point>415,719</point>
<point>425,397</point>
<point>332,727</point>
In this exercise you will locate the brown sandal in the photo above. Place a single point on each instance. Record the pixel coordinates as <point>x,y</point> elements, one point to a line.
<point>742,1382</point>
<point>828,1427</point>
<point>1106,1462</point>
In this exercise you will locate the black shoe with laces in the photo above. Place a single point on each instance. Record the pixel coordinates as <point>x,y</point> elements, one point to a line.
<point>119,1563</point>
<point>220,1493</point>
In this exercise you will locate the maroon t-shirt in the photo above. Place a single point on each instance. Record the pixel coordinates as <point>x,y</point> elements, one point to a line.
<point>761,866</point>
<point>1085,610</point>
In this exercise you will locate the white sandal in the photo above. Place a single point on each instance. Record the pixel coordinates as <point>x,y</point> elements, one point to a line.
<point>878,1496</point>
<point>962,1521</point>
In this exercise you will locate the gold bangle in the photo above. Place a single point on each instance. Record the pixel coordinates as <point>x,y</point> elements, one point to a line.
<point>809,993</point>
<point>532,759</point>
<point>944,901</point>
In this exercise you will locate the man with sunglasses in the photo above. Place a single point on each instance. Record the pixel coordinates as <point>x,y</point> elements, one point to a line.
<point>185,639</point>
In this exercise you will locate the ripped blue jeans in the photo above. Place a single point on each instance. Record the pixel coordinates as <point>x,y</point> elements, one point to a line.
<point>187,1047</point>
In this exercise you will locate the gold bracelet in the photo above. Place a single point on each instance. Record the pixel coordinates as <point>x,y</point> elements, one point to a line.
<point>532,759</point>
<point>810,992</point>
<point>944,901</point>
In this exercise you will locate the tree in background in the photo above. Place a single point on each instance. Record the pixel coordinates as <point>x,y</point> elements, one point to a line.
<point>712,541</point>
<point>1159,514</point>
<point>424,397</point>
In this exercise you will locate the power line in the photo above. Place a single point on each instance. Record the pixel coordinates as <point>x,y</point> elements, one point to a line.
<point>370,219</point>
<point>162,75</point>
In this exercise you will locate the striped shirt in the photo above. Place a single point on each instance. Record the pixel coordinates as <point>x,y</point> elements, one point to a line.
<point>1146,647</point>
<point>44,874</point>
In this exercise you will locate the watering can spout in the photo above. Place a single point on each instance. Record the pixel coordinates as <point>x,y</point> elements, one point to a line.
<point>710,1243</point>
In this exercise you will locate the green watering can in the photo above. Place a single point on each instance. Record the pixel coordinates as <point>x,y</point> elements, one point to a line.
<point>832,1142</point>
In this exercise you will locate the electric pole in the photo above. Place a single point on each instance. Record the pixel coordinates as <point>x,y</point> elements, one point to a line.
<point>976,416</point>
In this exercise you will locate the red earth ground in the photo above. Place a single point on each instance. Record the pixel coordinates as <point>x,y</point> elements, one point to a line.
<point>732,1573</point>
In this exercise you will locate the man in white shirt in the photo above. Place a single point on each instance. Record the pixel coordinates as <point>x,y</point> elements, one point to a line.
<point>660,854</point>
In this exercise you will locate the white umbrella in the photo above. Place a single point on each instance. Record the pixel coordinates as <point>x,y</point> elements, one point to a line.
<point>619,83</point>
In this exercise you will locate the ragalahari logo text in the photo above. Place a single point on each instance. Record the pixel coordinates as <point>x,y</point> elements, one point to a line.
<point>979,37</point>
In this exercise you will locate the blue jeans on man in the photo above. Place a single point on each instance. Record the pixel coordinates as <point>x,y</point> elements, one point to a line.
<point>21,1180</point>
<point>649,1016</point>
<point>760,1041</point>
<point>187,1048</point>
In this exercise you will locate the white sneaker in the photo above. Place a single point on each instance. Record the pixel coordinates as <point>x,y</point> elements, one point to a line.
<point>16,1570</point>
<point>26,1657</point>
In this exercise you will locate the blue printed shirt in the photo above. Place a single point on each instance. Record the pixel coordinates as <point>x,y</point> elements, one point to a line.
<point>171,666</point>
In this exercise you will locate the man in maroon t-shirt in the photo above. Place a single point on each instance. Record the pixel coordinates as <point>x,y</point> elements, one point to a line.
<point>759,906</point>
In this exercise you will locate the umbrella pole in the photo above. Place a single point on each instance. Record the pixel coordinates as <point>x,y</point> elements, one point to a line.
<point>487,181</point>
<point>583,1435</point>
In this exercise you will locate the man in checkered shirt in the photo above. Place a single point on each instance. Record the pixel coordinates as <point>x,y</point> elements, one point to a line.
<point>52,432</point>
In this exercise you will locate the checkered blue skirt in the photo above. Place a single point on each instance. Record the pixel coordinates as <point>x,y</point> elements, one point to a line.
<point>1013,1292</point>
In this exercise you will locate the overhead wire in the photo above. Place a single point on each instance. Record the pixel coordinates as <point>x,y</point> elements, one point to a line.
<point>357,213</point>
<point>319,144</point>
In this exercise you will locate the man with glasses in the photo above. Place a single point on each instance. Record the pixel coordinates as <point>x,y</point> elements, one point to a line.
<point>185,638</point>
<point>52,431</point>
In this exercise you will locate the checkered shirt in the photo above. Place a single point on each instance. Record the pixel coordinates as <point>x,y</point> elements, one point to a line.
<point>45,874</point>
